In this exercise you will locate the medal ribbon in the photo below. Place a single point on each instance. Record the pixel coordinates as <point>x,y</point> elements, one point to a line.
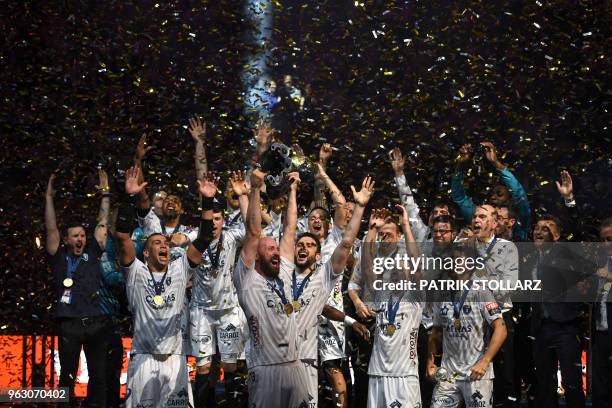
<point>176,229</point>
<point>457,306</point>
<point>297,290</point>
<point>490,248</point>
<point>279,289</point>
<point>392,308</point>
<point>72,265</point>
<point>157,286</point>
<point>233,220</point>
<point>215,260</point>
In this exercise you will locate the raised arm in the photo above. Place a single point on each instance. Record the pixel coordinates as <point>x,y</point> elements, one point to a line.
<point>142,149</point>
<point>421,230</point>
<point>343,250</point>
<point>337,196</point>
<point>287,244</point>
<point>197,130</point>
<point>53,234</point>
<point>102,227</point>
<point>240,187</point>
<point>411,245</point>
<point>458,194</point>
<point>377,220</point>
<point>253,219</point>
<point>126,216</point>
<point>263,134</point>
<point>207,188</point>
<point>519,195</point>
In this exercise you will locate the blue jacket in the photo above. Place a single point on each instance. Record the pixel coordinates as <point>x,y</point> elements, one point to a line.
<point>520,231</point>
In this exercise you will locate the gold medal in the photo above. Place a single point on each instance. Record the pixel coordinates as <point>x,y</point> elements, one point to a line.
<point>158,300</point>
<point>68,282</point>
<point>390,329</point>
<point>296,305</point>
<point>457,324</point>
<point>288,307</point>
<point>607,286</point>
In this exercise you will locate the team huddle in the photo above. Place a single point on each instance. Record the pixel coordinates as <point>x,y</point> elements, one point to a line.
<point>264,288</point>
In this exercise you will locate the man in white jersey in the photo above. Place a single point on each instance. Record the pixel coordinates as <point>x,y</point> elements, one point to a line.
<point>462,324</point>
<point>157,372</point>
<point>394,367</point>
<point>216,319</point>
<point>262,277</point>
<point>313,281</point>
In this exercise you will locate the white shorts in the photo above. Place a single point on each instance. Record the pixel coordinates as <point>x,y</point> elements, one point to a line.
<point>312,379</point>
<point>278,386</point>
<point>394,392</point>
<point>154,381</point>
<point>476,394</point>
<point>331,341</point>
<point>210,329</point>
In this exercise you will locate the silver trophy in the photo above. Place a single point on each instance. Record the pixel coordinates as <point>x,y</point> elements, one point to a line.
<point>280,160</point>
<point>441,374</point>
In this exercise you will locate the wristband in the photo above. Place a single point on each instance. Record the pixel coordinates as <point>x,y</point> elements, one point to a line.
<point>348,320</point>
<point>207,203</point>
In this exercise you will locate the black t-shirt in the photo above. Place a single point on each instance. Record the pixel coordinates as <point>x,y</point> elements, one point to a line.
<point>86,282</point>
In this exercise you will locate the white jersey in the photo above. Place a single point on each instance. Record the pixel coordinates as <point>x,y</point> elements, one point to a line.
<point>158,329</point>
<point>395,355</point>
<point>273,335</point>
<point>313,298</point>
<point>213,288</point>
<point>233,220</point>
<point>152,224</point>
<point>501,264</point>
<point>464,346</point>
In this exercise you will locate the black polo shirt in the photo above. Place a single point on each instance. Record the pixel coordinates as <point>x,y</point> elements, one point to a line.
<point>86,282</point>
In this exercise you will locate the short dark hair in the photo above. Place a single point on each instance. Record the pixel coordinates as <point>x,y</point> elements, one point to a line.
<point>556,220</point>
<point>512,210</point>
<point>445,219</point>
<point>146,245</point>
<point>606,223</point>
<point>310,235</point>
<point>452,210</point>
<point>325,212</point>
<point>72,223</point>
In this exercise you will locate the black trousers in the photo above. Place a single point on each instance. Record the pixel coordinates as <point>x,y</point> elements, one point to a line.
<point>504,388</point>
<point>524,366</point>
<point>91,334</point>
<point>425,385</point>
<point>558,344</point>
<point>113,367</point>
<point>602,369</point>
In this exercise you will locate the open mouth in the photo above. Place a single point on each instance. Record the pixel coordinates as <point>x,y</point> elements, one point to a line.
<point>163,254</point>
<point>235,196</point>
<point>275,261</point>
<point>302,255</point>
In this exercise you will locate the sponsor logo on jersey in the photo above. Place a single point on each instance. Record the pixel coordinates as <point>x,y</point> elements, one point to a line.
<point>467,309</point>
<point>395,404</point>
<point>492,308</point>
<point>147,403</point>
<point>254,328</point>
<point>444,310</point>
<point>444,400</point>
<point>412,342</point>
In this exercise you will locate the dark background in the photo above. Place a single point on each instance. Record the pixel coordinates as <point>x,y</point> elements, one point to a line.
<point>80,81</point>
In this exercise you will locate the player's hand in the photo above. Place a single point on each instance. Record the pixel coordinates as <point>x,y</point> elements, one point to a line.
<point>141,148</point>
<point>197,129</point>
<point>238,183</point>
<point>207,186</point>
<point>362,330</point>
<point>397,161</point>
<point>566,187</point>
<point>51,184</point>
<point>257,178</point>
<point>362,196</point>
<point>363,311</point>
<point>430,371</point>
<point>479,369</point>
<point>325,153</point>
<point>294,177</point>
<point>131,181</point>
<point>465,154</point>
<point>178,239</point>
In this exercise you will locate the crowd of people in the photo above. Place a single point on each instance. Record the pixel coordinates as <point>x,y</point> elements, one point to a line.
<point>278,293</point>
